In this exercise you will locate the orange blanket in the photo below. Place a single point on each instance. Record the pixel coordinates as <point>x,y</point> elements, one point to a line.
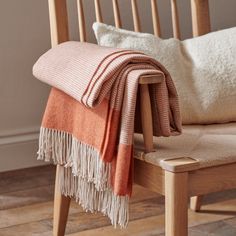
<point>88,124</point>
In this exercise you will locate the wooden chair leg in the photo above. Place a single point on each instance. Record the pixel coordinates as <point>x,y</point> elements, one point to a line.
<point>195,203</point>
<point>61,208</point>
<point>176,204</point>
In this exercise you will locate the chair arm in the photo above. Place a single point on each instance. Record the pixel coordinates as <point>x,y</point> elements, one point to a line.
<point>150,79</point>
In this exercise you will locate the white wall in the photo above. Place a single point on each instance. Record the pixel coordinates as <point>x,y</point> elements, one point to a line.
<point>24,35</point>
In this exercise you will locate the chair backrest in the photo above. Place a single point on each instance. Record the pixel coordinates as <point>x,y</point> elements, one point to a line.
<point>59,19</point>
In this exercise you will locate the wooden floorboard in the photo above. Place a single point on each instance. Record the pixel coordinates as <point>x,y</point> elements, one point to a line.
<point>26,197</point>
<point>13,181</point>
<point>26,207</point>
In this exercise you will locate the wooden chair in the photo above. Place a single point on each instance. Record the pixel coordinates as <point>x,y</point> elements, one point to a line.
<point>178,178</point>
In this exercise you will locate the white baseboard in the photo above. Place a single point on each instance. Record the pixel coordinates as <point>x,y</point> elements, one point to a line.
<point>18,149</point>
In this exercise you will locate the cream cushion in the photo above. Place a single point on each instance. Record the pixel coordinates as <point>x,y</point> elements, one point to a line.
<point>203,69</point>
<point>211,145</point>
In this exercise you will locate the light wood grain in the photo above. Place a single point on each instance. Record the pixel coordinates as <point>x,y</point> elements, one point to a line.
<point>135,13</point>
<point>30,213</point>
<point>176,204</point>
<point>195,203</point>
<point>59,33</point>
<point>181,164</point>
<point>214,179</point>
<point>151,79</point>
<point>116,12</point>
<point>58,21</point>
<point>81,20</point>
<point>149,176</point>
<point>98,11</point>
<point>61,207</point>
<point>175,19</point>
<point>200,17</point>
<point>155,19</point>
<point>28,178</point>
<point>142,227</point>
<point>146,117</point>
<point>26,197</point>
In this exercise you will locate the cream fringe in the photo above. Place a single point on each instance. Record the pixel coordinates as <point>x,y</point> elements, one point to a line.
<point>86,194</point>
<point>84,176</point>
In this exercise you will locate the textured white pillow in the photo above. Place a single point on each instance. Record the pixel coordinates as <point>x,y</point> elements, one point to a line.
<point>203,69</point>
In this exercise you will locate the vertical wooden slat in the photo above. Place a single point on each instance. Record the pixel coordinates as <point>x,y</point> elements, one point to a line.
<point>116,12</point>
<point>155,19</point>
<point>58,21</point>
<point>175,19</point>
<point>59,33</point>
<point>200,17</point>
<point>98,11</point>
<point>82,27</point>
<point>136,19</point>
<point>145,103</point>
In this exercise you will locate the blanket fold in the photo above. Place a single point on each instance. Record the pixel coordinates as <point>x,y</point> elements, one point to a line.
<point>88,123</point>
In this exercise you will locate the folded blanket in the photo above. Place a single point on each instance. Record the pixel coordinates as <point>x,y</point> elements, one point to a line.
<point>88,124</point>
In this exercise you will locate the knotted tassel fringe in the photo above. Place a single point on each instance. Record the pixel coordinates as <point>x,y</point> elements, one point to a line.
<point>86,194</point>
<point>84,175</point>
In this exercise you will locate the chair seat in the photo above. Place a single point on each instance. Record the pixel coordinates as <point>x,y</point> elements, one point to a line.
<point>211,145</point>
